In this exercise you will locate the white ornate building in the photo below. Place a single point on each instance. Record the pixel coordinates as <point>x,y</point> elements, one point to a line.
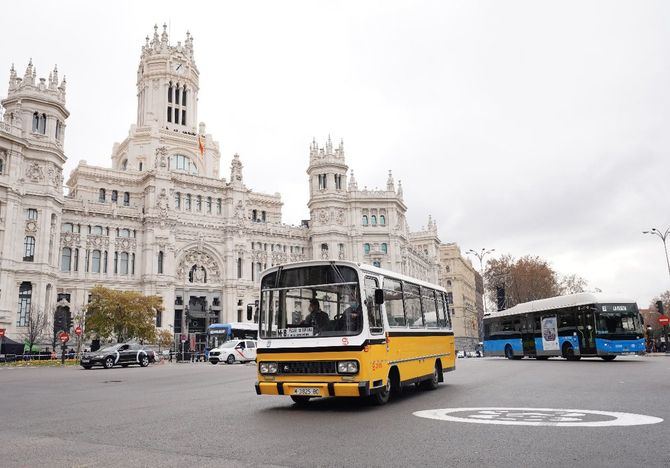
<point>162,220</point>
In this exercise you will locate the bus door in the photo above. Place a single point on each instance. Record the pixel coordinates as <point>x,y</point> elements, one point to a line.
<point>528,335</point>
<point>586,331</point>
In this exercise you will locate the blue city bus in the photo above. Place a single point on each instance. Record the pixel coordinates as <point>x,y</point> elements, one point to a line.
<point>219,333</point>
<point>571,326</point>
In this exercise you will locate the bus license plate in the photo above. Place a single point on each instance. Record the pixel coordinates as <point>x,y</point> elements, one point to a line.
<point>309,391</point>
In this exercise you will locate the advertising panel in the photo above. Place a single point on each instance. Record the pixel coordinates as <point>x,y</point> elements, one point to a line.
<point>550,334</point>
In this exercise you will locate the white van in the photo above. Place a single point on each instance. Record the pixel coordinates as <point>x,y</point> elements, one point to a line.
<point>233,351</point>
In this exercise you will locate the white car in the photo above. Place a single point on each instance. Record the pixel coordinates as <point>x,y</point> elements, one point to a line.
<point>233,351</point>
<point>460,354</point>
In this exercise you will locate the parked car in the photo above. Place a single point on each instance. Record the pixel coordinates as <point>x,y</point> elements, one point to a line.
<point>122,354</point>
<point>233,351</point>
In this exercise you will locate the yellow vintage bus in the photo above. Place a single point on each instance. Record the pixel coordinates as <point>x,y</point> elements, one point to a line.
<point>345,329</point>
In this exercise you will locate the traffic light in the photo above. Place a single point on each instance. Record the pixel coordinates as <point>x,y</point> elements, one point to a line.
<point>250,311</point>
<point>659,307</point>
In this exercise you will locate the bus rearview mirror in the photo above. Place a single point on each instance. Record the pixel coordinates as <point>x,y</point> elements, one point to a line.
<point>379,296</point>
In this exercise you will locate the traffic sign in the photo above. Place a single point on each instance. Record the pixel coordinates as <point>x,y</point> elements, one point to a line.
<point>64,337</point>
<point>2,332</point>
<point>182,338</point>
<point>77,331</point>
<point>663,320</point>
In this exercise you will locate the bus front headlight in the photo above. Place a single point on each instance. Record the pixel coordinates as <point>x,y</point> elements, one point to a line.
<point>347,367</point>
<point>268,367</point>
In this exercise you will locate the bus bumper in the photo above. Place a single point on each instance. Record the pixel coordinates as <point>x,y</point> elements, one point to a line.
<point>321,389</point>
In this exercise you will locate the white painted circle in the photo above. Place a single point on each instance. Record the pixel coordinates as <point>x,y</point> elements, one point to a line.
<point>538,417</point>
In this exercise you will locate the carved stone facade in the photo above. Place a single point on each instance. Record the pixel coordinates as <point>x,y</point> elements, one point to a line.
<point>162,220</point>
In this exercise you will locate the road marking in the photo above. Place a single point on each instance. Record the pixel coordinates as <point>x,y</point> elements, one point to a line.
<point>538,417</point>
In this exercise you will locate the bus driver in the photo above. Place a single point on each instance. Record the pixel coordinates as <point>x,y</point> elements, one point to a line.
<point>316,317</point>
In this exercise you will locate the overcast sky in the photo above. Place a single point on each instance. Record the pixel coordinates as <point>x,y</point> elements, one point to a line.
<point>529,127</point>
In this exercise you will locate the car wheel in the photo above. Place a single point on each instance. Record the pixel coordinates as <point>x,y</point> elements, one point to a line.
<point>231,359</point>
<point>214,361</point>
<point>87,367</point>
<point>109,362</point>
<point>300,400</point>
<point>608,358</point>
<point>144,361</point>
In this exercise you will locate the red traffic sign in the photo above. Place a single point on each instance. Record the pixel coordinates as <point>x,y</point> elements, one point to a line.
<point>2,332</point>
<point>182,338</point>
<point>64,337</point>
<point>77,331</point>
<point>663,320</point>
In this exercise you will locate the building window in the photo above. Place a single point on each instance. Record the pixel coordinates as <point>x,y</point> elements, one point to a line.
<point>40,123</point>
<point>96,230</point>
<point>254,215</point>
<point>25,299</point>
<point>377,264</point>
<point>366,248</point>
<point>116,262</point>
<point>179,162</point>
<point>365,220</point>
<point>124,165</point>
<point>177,201</point>
<point>218,206</point>
<point>198,203</point>
<point>373,220</point>
<point>58,129</point>
<point>75,260</point>
<point>239,268</point>
<point>115,196</point>
<point>101,195</point>
<point>324,247</point>
<point>65,259</point>
<point>382,220</point>
<point>170,92</point>
<point>160,262</point>
<point>126,198</point>
<point>123,263</point>
<point>322,181</point>
<point>132,264</point>
<point>169,114</point>
<point>384,248</point>
<point>450,298</point>
<point>67,227</point>
<point>263,216</point>
<point>208,204</point>
<point>104,262</point>
<point>28,249</point>
<point>187,202</point>
<point>141,166</point>
<point>31,213</point>
<point>95,261</point>
<point>2,165</point>
<point>122,232</point>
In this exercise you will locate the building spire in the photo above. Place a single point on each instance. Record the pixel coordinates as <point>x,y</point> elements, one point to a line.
<point>353,186</point>
<point>390,186</point>
<point>399,189</point>
<point>164,36</point>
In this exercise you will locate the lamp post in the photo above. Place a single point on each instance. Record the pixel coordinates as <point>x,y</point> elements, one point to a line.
<point>480,255</point>
<point>664,237</point>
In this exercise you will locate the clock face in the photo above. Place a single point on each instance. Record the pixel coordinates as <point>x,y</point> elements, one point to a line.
<point>179,68</point>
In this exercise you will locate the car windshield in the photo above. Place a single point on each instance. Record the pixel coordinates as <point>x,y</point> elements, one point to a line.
<point>311,301</point>
<point>108,349</point>
<point>228,344</point>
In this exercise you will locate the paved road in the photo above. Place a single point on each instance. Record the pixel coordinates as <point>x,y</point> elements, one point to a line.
<point>199,414</point>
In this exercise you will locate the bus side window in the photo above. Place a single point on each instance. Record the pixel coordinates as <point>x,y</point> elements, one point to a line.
<point>412,299</point>
<point>374,310</point>
<point>428,306</point>
<point>441,321</point>
<point>393,303</point>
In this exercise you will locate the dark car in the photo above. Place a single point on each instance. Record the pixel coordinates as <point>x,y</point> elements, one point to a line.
<point>122,354</point>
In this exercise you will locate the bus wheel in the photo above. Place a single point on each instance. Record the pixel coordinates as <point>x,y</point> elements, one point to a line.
<point>382,396</point>
<point>509,352</point>
<point>432,383</point>
<point>569,353</point>
<point>300,400</point>
<point>608,358</point>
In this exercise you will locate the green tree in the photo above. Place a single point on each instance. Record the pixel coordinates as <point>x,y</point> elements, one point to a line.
<point>122,315</point>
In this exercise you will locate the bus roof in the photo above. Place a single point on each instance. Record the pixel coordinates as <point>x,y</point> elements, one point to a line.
<point>363,266</point>
<point>559,302</point>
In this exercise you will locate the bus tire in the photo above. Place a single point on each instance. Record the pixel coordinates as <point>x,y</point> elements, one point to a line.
<point>433,382</point>
<point>509,352</point>
<point>382,397</point>
<point>569,353</point>
<point>608,358</point>
<point>300,400</point>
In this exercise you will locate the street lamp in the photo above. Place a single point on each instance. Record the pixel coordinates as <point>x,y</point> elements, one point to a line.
<point>480,255</point>
<point>664,237</point>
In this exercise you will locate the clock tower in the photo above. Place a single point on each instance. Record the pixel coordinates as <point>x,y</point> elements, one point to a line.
<point>167,84</point>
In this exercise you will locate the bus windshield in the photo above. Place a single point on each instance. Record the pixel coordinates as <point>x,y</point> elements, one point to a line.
<point>618,322</point>
<point>310,301</point>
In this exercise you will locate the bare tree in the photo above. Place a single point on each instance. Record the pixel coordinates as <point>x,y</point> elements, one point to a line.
<point>572,284</point>
<point>36,325</point>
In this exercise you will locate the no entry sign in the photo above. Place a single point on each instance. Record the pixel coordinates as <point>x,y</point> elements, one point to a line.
<point>64,337</point>
<point>2,332</point>
<point>77,331</point>
<point>663,320</point>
